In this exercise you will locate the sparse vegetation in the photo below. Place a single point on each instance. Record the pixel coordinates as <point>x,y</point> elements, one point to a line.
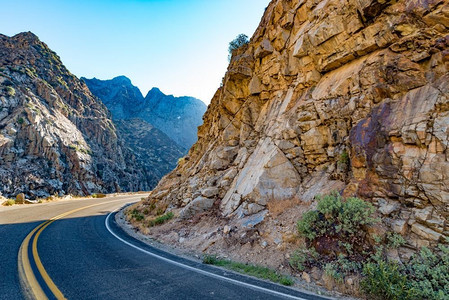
<point>239,41</point>
<point>252,270</point>
<point>161,219</point>
<point>80,149</point>
<point>344,158</point>
<point>9,202</point>
<point>303,258</point>
<point>10,91</point>
<point>98,195</point>
<point>341,225</point>
<point>136,215</point>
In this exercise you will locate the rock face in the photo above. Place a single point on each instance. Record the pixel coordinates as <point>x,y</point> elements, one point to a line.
<point>177,117</point>
<point>55,136</point>
<point>344,95</point>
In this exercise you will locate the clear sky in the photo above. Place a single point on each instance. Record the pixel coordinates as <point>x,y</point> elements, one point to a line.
<point>179,46</point>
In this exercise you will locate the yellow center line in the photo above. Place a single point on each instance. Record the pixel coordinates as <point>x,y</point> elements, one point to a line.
<point>30,285</point>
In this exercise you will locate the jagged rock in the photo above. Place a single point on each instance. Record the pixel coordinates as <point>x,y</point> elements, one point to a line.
<point>198,205</point>
<point>210,192</point>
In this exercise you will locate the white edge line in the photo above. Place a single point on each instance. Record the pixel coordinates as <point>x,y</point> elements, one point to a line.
<point>198,270</point>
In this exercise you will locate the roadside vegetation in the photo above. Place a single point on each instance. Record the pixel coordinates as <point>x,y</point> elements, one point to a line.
<point>159,219</point>
<point>337,241</point>
<point>249,269</point>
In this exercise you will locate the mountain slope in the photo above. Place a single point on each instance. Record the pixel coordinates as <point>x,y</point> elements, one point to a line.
<point>118,94</point>
<point>328,95</point>
<point>154,151</point>
<point>177,117</point>
<point>55,137</point>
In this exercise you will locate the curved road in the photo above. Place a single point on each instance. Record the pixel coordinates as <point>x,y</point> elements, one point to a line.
<point>83,254</point>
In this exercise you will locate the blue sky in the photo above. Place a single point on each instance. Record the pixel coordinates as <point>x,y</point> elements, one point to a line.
<point>179,46</point>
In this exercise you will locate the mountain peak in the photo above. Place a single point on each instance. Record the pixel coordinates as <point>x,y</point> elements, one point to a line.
<point>155,92</point>
<point>121,79</point>
<point>27,36</point>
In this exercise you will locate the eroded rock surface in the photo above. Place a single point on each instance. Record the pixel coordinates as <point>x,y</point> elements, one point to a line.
<point>343,95</point>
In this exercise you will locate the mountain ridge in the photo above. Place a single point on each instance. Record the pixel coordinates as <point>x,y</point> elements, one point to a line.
<point>177,117</point>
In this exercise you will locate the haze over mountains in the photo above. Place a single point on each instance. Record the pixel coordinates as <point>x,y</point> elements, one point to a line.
<point>177,117</point>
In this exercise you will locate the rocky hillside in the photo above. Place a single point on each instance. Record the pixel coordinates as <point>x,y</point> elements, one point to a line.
<point>346,95</point>
<point>154,150</point>
<point>55,136</point>
<point>177,117</point>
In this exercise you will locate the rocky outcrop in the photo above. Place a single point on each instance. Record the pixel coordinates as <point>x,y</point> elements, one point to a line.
<point>177,117</point>
<point>343,95</point>
<point>55,136</point>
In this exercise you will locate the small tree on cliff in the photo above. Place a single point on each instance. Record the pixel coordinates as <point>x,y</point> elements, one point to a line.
<point>239,41</point>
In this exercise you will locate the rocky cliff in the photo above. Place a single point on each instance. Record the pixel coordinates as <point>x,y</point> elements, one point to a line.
<point>55,136</point>
<point>177,117</point>
<point>346,95</point>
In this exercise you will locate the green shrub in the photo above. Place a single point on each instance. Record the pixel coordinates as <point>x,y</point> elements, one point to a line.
<point>21,120</point>
<point>344,158</point>
<point>10,91</point>
<point>302,258</point>
<point>384,279</point>
<point>428,272</point>
<point>98,195</point>
<point>239,41</point>
<point>394,240</point>
<point>342,267</point>
<point>337,216</point>
<point>161,219</point>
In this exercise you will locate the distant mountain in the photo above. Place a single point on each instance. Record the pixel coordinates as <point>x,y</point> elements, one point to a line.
<point>55,136</point>
<point>154,150</point>
<point>177,117</point>
<point>121,97</point>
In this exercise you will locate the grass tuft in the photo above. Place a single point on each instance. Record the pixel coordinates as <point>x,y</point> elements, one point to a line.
<point>161,219</point>
<point>249,269</point>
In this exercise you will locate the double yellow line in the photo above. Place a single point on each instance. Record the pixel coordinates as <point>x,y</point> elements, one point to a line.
<point>30,285</point>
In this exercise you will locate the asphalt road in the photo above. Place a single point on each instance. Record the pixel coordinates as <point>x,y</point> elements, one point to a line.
<point>87,256</point>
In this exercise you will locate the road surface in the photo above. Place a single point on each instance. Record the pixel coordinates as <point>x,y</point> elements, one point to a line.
<point>74,250</point>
